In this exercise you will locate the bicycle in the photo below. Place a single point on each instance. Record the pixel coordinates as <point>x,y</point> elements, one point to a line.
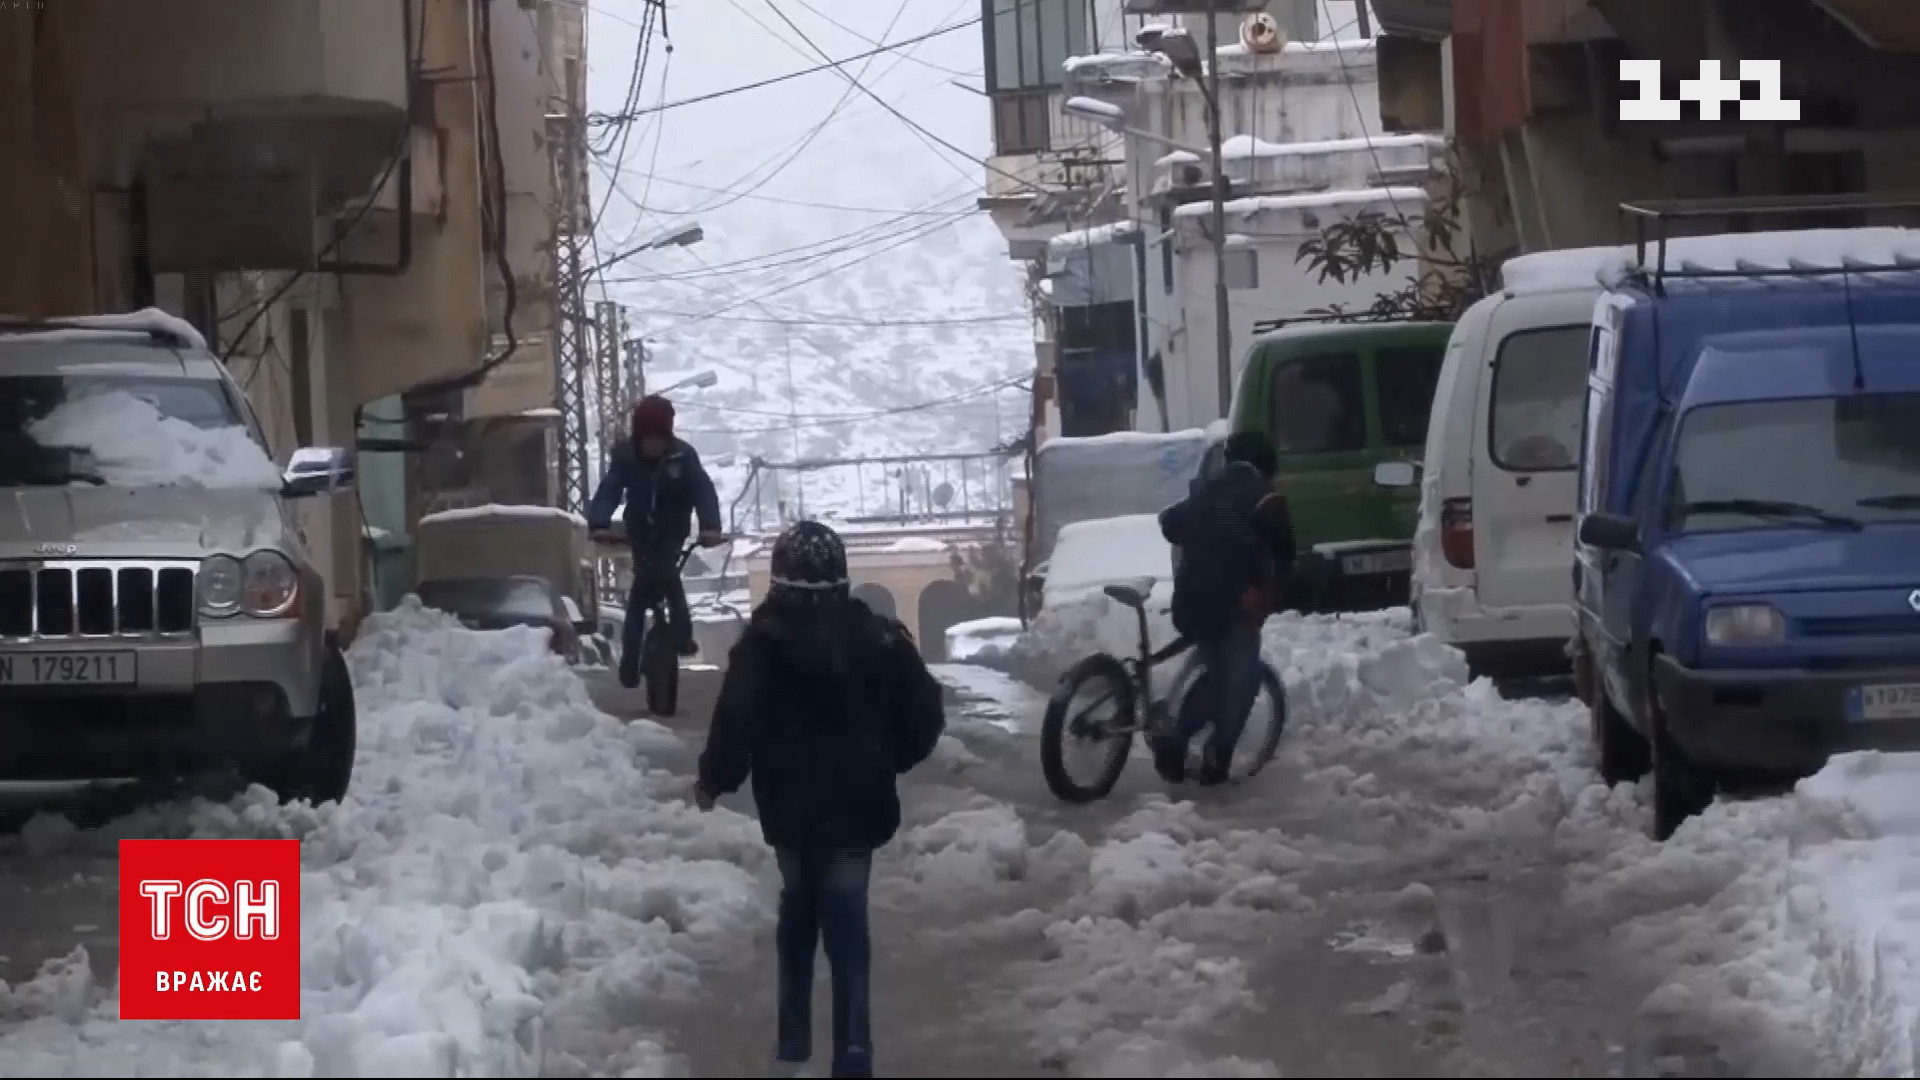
<point>1128,681</point>
<point>659,650</point>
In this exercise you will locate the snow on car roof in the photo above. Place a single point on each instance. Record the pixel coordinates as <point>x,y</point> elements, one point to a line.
<point>145,321</point>
<point>503,510</point>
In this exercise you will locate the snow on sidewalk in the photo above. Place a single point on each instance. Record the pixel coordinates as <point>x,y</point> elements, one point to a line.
<point>494,898</point>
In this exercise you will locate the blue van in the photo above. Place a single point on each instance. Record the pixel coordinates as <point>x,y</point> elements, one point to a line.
<point>1747,569</point>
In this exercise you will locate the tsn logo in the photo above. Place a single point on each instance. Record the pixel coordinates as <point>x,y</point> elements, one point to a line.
<point>209,929</point>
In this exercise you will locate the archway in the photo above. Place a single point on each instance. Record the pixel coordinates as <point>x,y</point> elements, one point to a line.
<point>943,603</point>
<point>878,597</point>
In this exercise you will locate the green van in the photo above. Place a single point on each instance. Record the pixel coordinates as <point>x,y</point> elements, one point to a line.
<point>1338,397</point>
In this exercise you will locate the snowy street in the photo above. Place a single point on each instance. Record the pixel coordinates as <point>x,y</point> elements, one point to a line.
<point>1429,882</point>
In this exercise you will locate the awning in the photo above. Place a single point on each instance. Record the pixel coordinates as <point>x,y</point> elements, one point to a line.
<point>1092,266</point>
<point>1428,20</point>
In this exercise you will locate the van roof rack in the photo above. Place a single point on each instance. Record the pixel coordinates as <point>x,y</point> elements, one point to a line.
<point>1336,317</point>
<point>1651,226</point>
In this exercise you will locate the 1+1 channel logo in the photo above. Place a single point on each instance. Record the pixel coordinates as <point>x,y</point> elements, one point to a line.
<point>209,929</point>
<point>1757,92</point>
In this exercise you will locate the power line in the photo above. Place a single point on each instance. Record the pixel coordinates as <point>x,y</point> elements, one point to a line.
<point>855,418</point>
<point>837,24</point>
<point>804,203</point>
<point>613,118</point>
<point>918,234</point>
<point>855,83</point>
<point>826,320</point>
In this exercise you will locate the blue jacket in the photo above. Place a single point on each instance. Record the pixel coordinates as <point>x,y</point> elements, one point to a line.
<point>661,498</point>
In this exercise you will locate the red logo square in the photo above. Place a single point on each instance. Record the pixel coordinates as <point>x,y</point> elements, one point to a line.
<point>209,929</point>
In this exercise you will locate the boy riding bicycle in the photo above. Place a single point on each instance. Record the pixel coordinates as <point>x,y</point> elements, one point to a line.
<point>663,485</point>
<point>1233,549</point>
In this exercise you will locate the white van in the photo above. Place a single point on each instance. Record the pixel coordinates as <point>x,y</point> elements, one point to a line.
<point>1493,551</point>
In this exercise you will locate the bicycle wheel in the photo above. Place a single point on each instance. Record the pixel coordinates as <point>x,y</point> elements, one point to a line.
<point>1094,707</point>
<point>660,667</point>
<point>1265,724</point>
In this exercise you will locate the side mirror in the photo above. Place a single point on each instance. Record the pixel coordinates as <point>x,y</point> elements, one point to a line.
<point>317,470</point>
<point>1609,532</point>
<point>1396,474</point>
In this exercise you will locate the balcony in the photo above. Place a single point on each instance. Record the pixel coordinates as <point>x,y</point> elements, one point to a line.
<point>246,117</point>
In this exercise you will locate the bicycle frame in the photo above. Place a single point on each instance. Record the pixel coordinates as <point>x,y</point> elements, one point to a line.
<point>1145,659</point>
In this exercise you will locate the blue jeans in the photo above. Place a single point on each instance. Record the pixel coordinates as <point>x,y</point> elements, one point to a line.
<point>648,588</point>
<point>1223,682</point>
<point>823,898</point>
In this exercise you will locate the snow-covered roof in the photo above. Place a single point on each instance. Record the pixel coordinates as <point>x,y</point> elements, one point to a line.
<point>1407,198</point>
<point>1103,551</point>
<point>503,510</point>
<point>1604,266</point>
<point>1079,239</point>
<point>1250,146</point>
<point>1134,64</point>
<point>1178,157</point>
<point>1123,438</point>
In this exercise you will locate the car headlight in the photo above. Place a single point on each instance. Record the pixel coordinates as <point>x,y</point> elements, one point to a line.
<point>219,585</point>
<point>271,584</point>
<point>1745,624</point>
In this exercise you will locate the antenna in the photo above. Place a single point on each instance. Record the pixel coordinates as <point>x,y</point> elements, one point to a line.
<point>1853,330</point>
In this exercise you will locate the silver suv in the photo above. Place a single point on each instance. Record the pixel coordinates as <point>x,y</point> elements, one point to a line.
<point>152,625</point>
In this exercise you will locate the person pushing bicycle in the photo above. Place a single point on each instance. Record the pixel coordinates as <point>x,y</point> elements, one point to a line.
<point>1233,550</point>
<point>660,480</point>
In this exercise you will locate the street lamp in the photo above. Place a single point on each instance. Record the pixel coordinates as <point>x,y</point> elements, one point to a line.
<point>701,381</point>
<point>685,234</point>
<point>1178,49</point>
<point>1113,118</point>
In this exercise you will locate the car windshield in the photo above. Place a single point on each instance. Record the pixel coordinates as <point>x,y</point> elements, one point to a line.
<point>490,598</point>
<point>28,457</point>
<point>1839,463</point>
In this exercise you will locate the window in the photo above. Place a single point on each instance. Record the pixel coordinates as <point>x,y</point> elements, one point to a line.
<point>1597,420</point>
<point>1027,45</point>
<point>1809,461</point>
<point>1539,377</point>
<point>1319,406</point>
<point>1407,376</point>
<point>1028,41</point>
<point>27,400</point>
<point>1020,121</point>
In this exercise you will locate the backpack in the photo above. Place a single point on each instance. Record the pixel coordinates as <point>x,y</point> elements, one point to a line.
<point>1218,563</point>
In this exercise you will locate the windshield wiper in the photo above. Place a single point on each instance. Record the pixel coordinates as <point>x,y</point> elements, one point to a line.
<point>1774,508</point>
<point>1903,501</point>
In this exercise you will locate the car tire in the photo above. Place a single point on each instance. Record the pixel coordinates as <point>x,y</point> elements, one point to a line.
<point>1625,756</point>
<point>1681,789</point>
<point>322,771</point>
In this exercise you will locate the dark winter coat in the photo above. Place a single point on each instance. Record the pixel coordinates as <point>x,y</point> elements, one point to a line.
<point>662,497</point>
<point>1231,533</point>
<point>823,718</point>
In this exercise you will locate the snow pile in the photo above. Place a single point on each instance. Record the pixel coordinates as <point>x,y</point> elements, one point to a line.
<point>981,640</point>
<point>1090,554</point>
<point>131,444</point>
<point>501,894</point>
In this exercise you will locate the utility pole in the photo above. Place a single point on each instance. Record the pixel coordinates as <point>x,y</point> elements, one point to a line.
<point>574,353</point>
<point>1222,311</point>
<point>611,320</point>
<point>793,421</point>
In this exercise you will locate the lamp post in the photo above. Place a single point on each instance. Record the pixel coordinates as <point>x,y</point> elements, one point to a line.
<point>1178,48</point>
<point>700,381</point>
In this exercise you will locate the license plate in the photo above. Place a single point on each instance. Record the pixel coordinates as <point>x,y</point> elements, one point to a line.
<point>1891,701</point>
<point>1377,562</point>
<point>67,669</point>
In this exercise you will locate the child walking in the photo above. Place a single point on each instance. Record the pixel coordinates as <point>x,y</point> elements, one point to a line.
<point>824,704</point>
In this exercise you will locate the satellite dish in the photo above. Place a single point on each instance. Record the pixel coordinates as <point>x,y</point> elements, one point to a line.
<point>1260,33</point>
<point>942,495</point>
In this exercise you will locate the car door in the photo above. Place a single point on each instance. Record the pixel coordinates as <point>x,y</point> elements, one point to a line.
<point>1317,403</point>
<point>1527,451</point>
<point>1405,376</point>
<point>1606,583</point>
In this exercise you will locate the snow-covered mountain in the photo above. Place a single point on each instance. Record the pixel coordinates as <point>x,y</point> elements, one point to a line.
<point>849,296</point>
